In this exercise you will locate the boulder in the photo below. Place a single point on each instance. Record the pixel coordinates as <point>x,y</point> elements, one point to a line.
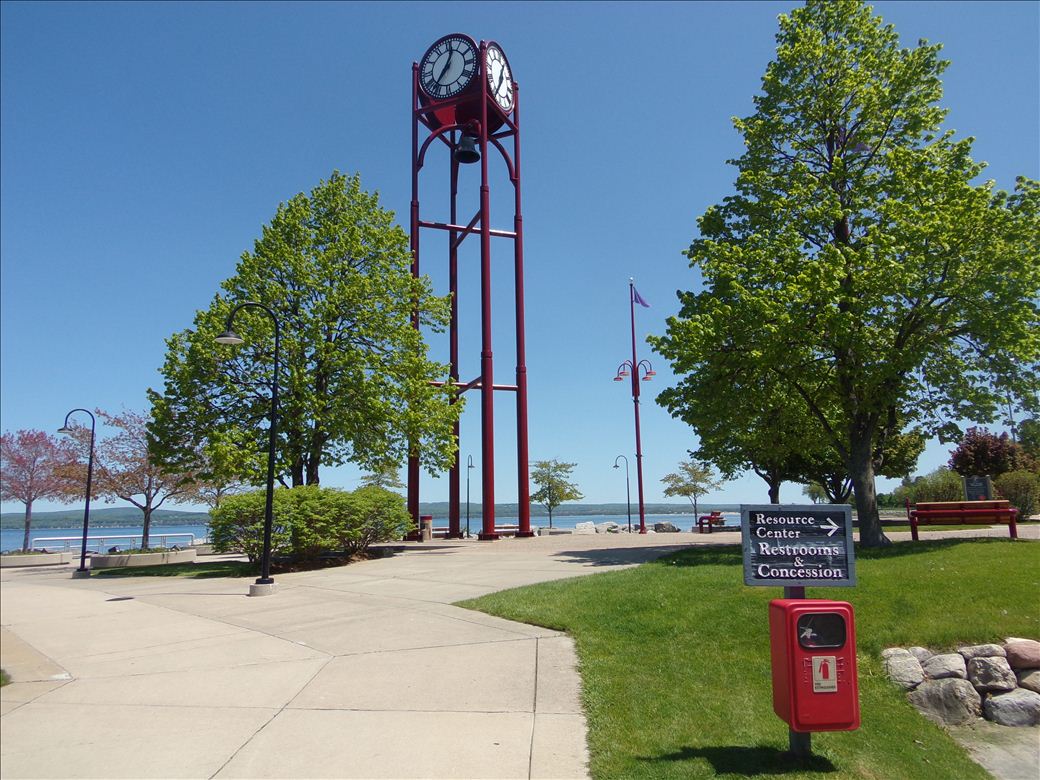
<point>892,652</point>
<point>922,654</point>
<point>939,667</point>
<point>948,702</point>
<point>585,528</point>
<point>1023,654</point>
<point>1029,679</point>
<point>1017,708</point>
<point>609,527</point>
<point>905,671</point>
<point>981,651</point>
<point>991,674</point>
<point>665,528</point>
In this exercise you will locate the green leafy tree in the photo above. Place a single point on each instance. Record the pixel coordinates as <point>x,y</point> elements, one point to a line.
<point>743,424</point>
<point>857,266</point>
<point>1029,437</point>
<point>691,481</point>
<point>386,477</point>
<point>355,383</point>
<point>814,492</point>
<point>554,486</point>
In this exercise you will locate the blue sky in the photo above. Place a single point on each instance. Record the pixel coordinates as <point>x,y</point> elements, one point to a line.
<point>145,144</point>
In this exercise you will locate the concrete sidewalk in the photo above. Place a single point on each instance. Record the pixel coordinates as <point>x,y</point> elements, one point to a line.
<point>360,671</point>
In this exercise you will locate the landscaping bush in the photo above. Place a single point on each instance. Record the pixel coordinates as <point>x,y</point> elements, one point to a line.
<point>941,485</point>
<point>237,525</point>
<point>1022,489</point>
<point>309,521</point>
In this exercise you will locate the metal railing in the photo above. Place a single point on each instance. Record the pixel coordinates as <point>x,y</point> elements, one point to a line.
<point>101,541</point>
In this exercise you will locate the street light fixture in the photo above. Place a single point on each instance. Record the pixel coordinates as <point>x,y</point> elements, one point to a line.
<point>628,491</point>
<point>83,571</point>
<point>264,585</point>
<point>632,368</point>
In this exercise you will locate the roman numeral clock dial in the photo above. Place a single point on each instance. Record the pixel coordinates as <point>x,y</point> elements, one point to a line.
<point>499,77</point>
<point>448,66</point>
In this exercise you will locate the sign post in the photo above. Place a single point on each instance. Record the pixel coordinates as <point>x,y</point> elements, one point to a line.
<point>794,546</point>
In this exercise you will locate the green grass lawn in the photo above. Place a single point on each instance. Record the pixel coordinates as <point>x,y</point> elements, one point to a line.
<point>674,657</point>
<point>196,569</point>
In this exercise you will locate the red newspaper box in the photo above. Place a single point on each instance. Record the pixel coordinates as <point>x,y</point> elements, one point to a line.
<point>815,686</point>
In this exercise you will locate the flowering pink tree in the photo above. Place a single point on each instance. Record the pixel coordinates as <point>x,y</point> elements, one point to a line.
<point>125,469</point>
<point>35,465</point>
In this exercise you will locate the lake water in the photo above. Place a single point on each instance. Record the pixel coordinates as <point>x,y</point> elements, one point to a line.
<point>102,539</point>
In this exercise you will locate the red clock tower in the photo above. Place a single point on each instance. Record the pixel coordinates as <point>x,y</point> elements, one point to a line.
<point>464,97</point>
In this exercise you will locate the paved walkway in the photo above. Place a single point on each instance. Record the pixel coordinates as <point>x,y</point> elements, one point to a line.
<point>361,671</point>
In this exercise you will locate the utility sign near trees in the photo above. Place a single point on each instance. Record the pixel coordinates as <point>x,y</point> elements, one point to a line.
<point>798,545</point>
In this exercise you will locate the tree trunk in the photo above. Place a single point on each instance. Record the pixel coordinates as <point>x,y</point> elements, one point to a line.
<point>147,510</point>
<point>861,469</point>
<point>28,524</point>
<point>550,516</point>
<point>773,480</point>
<point>312,470</point>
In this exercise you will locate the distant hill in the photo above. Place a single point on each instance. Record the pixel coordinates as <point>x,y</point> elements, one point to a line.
<point>128,515</point>
<point>102,518</point>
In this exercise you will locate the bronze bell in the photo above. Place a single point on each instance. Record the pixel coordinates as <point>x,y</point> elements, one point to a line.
<point>466,151</point>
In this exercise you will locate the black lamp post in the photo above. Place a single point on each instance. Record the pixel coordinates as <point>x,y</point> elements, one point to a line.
<point>628,491</point>
<point>469,467</point>
<point>230,337</point>
<point>83,571</point>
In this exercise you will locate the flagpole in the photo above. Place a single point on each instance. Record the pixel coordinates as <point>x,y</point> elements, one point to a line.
<point>635,403</point>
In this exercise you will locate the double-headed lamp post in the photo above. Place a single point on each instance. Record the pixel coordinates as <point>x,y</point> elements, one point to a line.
<point>628,490</point>
<point>633,368</point>
<point>83,571</point>
<point>264,584</point>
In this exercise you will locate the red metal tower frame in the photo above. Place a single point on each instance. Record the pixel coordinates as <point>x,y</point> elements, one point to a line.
<point>478,108</point>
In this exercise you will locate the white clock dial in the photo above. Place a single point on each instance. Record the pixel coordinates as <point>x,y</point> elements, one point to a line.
<point>499,77</point>
<point>448,66</point>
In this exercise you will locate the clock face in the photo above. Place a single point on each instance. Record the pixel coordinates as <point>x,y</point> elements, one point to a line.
<point>448,66</point>
<point>499,77</point>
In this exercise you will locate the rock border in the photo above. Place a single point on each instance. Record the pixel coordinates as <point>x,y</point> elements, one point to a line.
<point>998,682</point>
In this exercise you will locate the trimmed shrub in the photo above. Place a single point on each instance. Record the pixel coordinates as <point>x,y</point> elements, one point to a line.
<point>1022,489</point>
<point>941,485</point>
<point>309,521</point>
<point>237,525</point>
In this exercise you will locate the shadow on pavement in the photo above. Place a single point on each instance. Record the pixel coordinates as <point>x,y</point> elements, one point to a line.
<point>746,761</point>
<point>615,556</point>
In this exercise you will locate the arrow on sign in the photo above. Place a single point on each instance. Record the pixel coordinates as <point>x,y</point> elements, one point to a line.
<point>832,527</point>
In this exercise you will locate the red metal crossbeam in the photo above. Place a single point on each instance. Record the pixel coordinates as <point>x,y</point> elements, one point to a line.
<point>466,228</point>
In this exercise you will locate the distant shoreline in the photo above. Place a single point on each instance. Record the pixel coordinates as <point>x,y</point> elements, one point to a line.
<point>113,517</point>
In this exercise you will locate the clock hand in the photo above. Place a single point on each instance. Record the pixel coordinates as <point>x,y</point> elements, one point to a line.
<point>447,64</point>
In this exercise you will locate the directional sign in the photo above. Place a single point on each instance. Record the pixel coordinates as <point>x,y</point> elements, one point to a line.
<point>798,545</point>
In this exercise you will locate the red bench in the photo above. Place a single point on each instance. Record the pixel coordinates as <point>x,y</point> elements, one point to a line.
<point>961,513</point>
<point>707,521</point>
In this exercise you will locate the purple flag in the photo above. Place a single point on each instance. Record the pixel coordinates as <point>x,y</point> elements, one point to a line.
<point>638,298</point>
